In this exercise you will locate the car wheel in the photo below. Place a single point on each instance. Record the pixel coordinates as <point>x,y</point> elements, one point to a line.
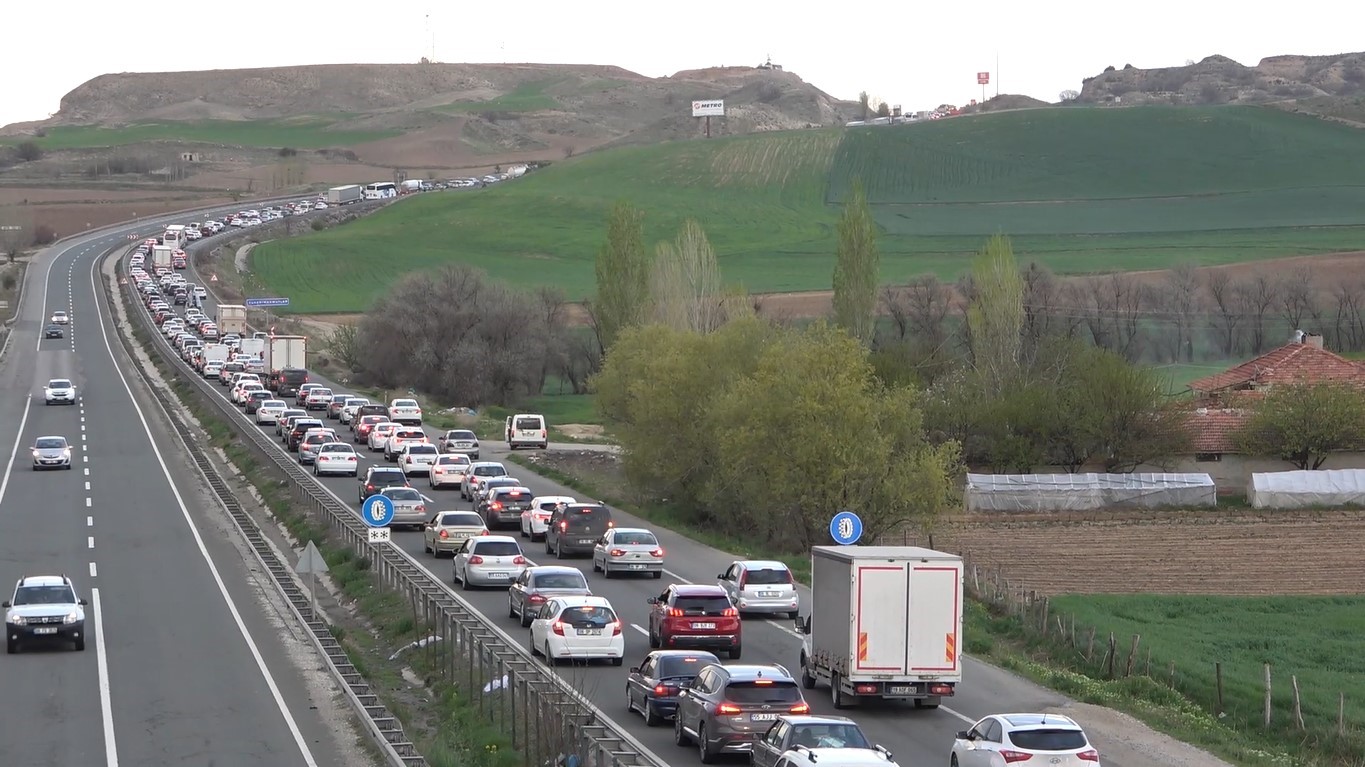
<point>735,652</point>
<point>550,659</point>
<point>512,609</point>
<point>953,761</point>
<point>559,550</point>
<point>658,574</point>
<point>836,693</point>
<point>426,547</point>
<point>355,474</point>
<point>464,581</point>
<point>807,679</point>
<point>794,614</point>
<point>617,661</point>
<point>594,563</point>
<point>315,470</point>
<point>606,570</point>
<point>548,549</point>
<point>680,737</point>
<point>703,748</point>
<point>652,718</point>
<point>11,646</point>
<point>654,641</point>
<point>80,644</point>
<point>67,467</point>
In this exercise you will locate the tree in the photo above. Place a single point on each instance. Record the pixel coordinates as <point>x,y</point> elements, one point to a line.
<point>1120,414</point>
<point>857,268</point>
<point>865,105</point>
<point>686,287</point>
<point>1305,423</point>
<point>343,343</point>
<point>623,271</point>
<point>29,151</point>
<point>883,109</point>
<point>995,316</point>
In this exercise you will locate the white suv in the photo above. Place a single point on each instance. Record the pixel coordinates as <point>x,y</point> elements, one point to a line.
<point>59,391</point>
<point>44,608</point>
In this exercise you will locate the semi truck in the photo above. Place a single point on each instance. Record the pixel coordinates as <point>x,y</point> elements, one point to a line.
<point>887,624</point>
<point>231,319</point>
<point>285,352</point>
<point>345,195</point>
<point>162,256</point>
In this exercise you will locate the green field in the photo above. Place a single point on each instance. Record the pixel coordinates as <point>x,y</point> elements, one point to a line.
<point>299,133</point>
<point>1316,639</point>
<point>1080,190</point>
<point>527,97</point>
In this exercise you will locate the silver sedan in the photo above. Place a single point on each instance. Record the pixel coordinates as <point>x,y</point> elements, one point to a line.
<point>628,550</point>
<point>489,560</point>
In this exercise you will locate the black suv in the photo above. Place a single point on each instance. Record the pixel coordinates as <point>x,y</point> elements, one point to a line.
<point>575,528</point>
<point>379,477</point>
<point>727,709</point>
<point>286,383</point>
<point>44,608</point>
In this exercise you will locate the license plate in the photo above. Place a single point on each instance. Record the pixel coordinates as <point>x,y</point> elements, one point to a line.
<point>497,575</point>
<point>901,689</point>
<point>703,625</point>
<point>590,632</point>
<point>45,631</point>
<point>637,567</point>
<point>768,594</point>
<point>585,541</point>
<point>763,717</point>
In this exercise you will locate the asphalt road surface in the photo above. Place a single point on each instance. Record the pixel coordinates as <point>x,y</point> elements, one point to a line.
<point>182,665</point>
<point>914,736</point>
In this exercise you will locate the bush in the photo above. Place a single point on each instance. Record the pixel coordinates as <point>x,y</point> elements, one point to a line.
<point>318,224</point>
<point>29,151</point>
<point>44,234</point>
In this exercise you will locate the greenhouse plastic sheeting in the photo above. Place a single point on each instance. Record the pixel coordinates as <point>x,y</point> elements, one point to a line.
<point>1086,492</point>
<point>1302,489</point>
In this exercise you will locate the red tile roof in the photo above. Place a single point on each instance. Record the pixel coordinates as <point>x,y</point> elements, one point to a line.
<point>1211,429</point>
<point>1289,364</point>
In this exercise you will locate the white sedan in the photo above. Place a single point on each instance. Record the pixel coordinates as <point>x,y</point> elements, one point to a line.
<point>448,470</point>
<point>268,412</point>
<point>574,628</point>
<point>60,318</point>
<point>336,458</point>
<point>379,435</point>
<point>406,412</point>
<point>417,458</point>
<point>536,520</point>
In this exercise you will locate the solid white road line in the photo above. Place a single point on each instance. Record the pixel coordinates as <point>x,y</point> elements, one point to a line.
<point>102,658</point>
<point>14,452</point>
<point>299,739</point>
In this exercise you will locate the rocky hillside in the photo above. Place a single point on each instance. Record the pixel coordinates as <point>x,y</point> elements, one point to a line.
<point>508,104</point>
<point>1331,85</point>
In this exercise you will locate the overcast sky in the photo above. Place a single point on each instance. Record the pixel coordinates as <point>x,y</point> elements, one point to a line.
<point>914,54</point>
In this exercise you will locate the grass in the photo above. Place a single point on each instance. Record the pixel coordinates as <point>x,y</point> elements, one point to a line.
<point>527,97</point>
<point>1080,190</point>
<point>298,132</point>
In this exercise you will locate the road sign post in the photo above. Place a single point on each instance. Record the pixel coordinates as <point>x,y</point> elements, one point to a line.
<point>262,303</point>
<point>311,563</point>
<point>846,528</point>
<point>377,511</point>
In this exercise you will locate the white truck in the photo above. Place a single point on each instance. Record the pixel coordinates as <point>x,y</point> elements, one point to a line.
<point>213,353</point>
<point>517,171</point>
<point>286,352</point>
<point>251,347</point>
<point>231,319</point>
<point>345,195</point>
<point>888,624</point>
<point>412,185</point>
<point>162,255</point>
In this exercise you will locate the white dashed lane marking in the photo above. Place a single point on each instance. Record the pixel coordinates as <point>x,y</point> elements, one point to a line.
<point>93,571</point>
<point>88,503</point>
<point>89,521</point>
<point>90,542</point>
<point>640,629</point>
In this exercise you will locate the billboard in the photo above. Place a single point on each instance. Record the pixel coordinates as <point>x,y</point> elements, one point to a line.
<point>708,108</point>
<point>983,78</point>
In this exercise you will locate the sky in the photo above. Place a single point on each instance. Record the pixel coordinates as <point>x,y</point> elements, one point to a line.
<point>913,54</point>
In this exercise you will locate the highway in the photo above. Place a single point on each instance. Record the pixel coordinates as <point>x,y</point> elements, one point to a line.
<point>185,662</point>
<point>914,735</point>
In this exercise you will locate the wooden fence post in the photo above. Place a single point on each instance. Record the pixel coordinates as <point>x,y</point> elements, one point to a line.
<point>1298,707</point>
<point>1113,650</point>
<point>1218,687</point>
<point>1172,675</point>
<point>1046,607</point>
<point>1341,714</point>
<point>1090,646</point>
<point>1132,654</point>
<point>1267,696</point>
<point>1148,670</point>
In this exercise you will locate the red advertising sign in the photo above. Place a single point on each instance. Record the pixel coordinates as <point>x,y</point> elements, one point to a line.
<point>983,78</point>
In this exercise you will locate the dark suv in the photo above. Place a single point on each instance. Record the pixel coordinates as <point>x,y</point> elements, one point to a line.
<point>727,709</point>
<point>695,616</point>
<point>379,477</point>
<point>300,428</point>
<point>575,528</point>
<point>286,382</point>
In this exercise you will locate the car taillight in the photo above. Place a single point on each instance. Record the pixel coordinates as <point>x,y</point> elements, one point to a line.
<point>495,506</point>
<point>743,578</point>
<point>940,689</point>
<point>1014,757</point>
<point>800,708</point>
<point>421,507</point>
<point>445,534</point>
<point>730,612</point>
<point>536,598</point>
<point>663,689</point>
<point>616,627</point>
<point>563,526</point>
<point>483,531</point>
<point>369,487</point>
<point>558,627</point>
<point>1089,756</point>
<point>519,560</point>
<point>729,708</point>
<point>542,434</point>
<point>617,552</point>
<point>674,612</point>
<point>657,553</point>
<point>476,560</point>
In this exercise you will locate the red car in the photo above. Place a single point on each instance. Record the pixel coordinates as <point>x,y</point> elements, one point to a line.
<point>695,616</point>
<point>364,425</point>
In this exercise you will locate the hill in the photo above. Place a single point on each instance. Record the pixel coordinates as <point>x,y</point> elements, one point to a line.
<point>1332,86</point>
<point>1081,189</point>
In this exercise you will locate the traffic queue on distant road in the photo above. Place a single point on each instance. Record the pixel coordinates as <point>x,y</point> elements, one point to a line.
<point>716,707</point>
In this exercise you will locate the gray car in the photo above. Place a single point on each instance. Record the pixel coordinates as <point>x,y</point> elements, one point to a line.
<point>51,453</point>
<point>488,560</point>
<point>536,585</point>
<point>409,507</point>
<point>628,550</point>
<point>727,709</point>
<point>312,440</point>
<point>758,586</point>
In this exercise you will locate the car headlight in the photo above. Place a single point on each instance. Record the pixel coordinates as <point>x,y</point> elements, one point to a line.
<point>35,453</point>
<point>17,620</point>
<point>72,617</point>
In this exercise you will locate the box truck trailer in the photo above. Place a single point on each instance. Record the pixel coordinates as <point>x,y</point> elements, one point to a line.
<point>162,256</point>
<point>285,352</point>
<point>231,319</point>
<point>345,195</point>
<point>885,623</point>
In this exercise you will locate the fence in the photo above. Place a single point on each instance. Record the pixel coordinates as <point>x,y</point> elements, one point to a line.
<point>1219,690</point>
<point>542,713</point>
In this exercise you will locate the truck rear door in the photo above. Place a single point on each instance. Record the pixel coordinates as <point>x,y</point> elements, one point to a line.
<point>907,618</point>
<point>935,618</point>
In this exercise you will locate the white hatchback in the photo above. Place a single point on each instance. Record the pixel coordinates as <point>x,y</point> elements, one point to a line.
<point>536,520</point>
<point>578,628</point>
<point>489,560</point>
<point>1016,738</point>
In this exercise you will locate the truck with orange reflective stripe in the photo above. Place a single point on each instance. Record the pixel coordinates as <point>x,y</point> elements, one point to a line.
<point>885,622</point>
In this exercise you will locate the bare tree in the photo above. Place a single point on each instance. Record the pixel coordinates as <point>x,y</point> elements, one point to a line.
<point>1227,306</point>
<point>1115,312</point>
<point>1255,299</point>
<point>930,302</point>
<point>1349,324</point>
<point>1297,297</point>
<point>1046,310</point>
<point>686,286</point>
<point>1182,303</point>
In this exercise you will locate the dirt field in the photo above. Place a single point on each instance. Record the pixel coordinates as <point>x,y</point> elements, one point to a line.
<point>1235,553</point>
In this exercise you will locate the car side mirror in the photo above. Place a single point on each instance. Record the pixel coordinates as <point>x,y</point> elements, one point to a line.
<point>82,602</point>
<point>652,600</point>
<point>721,576</point>
<point>5,605</point>
<point>964,735</point>
<point>634,669</point>
<point>360,479</point>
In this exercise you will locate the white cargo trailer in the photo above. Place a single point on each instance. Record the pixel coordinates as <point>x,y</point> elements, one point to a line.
<point>885,623</point>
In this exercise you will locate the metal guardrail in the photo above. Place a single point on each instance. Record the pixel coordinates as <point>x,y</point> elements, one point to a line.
<point>541,712</point>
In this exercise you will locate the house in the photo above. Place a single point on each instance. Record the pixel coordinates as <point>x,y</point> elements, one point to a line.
<point>1222,404</point>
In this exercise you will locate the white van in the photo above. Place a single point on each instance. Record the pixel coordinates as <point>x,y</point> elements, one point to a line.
<point>527,430</point>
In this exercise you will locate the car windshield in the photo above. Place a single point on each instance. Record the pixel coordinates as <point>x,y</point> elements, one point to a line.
<point>683,665</point>
<point>405,403</point>
<point>830,736</point>
<point>403,494</point>
<point>59,383</point>
<point>635,539</point>
<point>768,576</point>
<point>489,471</point>
<point>422,450</point>
<point>560,581</point>
<point>44,595</point>
<point>497,548</point>
<point>51,443</point>
<point>1048,740</point>
<point>703,605</point>
<point>460,435</point>
<point>762,691</point>
<point>588,616</point>
<point>462,519</point>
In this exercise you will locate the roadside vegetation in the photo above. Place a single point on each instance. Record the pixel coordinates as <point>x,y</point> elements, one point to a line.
<point>1058,181</point>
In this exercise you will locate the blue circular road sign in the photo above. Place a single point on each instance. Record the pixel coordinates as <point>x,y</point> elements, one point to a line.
<point>377,510</point>
<point>846,528</point>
